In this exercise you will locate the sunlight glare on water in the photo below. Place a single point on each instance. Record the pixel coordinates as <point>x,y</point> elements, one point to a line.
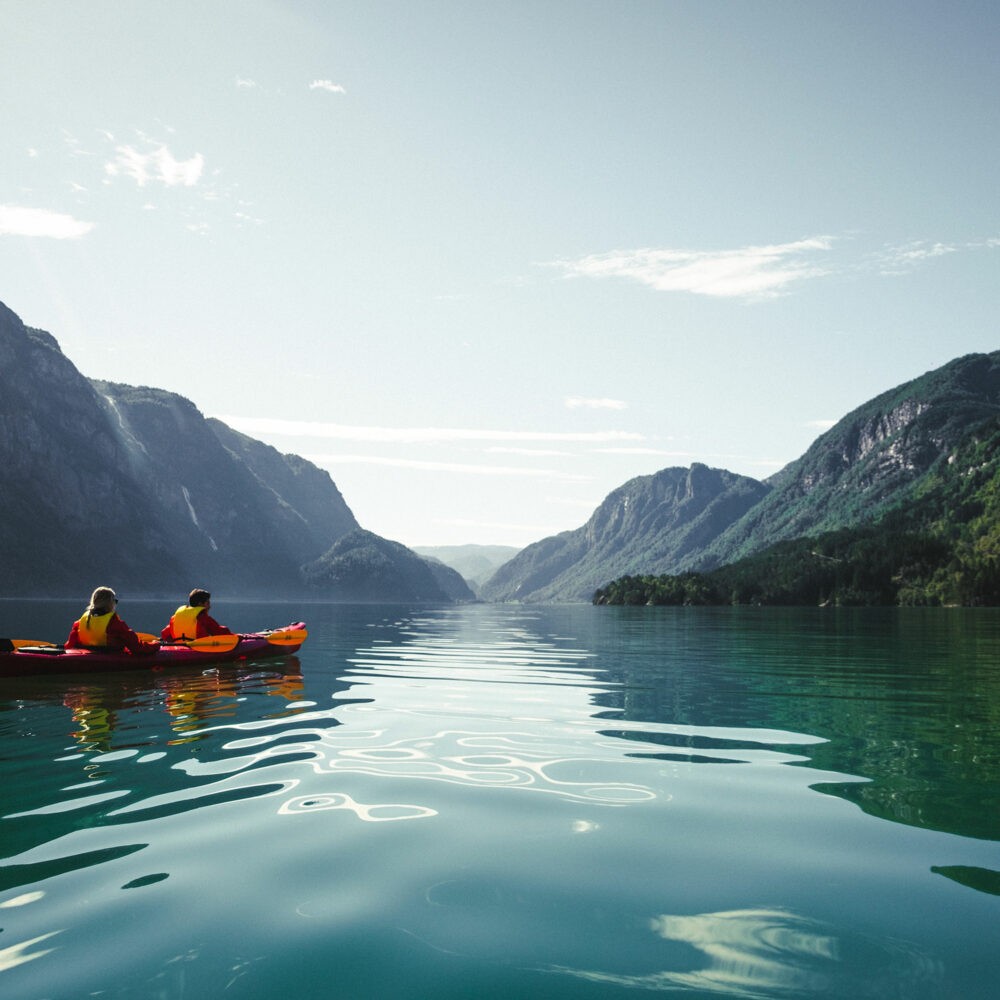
<point>501,801</point>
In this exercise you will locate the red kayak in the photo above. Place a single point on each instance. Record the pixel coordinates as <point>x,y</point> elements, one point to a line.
<point>17,659</point>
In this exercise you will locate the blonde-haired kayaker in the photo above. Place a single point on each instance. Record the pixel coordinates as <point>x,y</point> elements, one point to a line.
<point>99,627</point>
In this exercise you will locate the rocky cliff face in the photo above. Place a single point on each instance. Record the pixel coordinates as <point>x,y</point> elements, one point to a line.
<point>872,459</point>
<point>236,510</point>
<point>72,506</point>
<point>646,526</point>
<point>132,487</point>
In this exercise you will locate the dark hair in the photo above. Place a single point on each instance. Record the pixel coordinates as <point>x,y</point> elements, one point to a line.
<point>198,597</point>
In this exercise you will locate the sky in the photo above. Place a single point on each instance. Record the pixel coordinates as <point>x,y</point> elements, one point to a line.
<point>486,262</point>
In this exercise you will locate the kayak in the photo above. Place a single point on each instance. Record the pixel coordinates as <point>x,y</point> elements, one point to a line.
<point>20,660</point>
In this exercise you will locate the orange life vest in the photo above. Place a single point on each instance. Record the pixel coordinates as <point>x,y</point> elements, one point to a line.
<point>184,622</point>
<point>93,630</point>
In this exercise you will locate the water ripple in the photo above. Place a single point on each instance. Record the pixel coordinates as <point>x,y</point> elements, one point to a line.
<point>776,953</point>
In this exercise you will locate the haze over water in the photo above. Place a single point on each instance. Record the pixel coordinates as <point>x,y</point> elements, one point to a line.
<point>512,802</point>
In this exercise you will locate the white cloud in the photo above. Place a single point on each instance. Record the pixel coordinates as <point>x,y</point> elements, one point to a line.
<point>328,85</point>
<point>532,530</point>
<point>644,451</point>
<point>534,452</point>
<point>821,424</point>
<point>157,165</point>
<point>412,435</point>
<point>245,84</point>
<point>16,221</point>
<point>749,272</point>
<point>456,467</point>
<point>578,402</point>
<point>905,257</point>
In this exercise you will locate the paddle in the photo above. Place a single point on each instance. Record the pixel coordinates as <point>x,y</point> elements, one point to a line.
<point>220,643</point>
<point>287,637</point>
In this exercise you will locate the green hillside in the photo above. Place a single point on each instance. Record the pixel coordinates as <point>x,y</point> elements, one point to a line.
<point>940,546</point>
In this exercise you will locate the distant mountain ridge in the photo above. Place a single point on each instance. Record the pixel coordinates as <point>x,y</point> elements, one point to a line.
<point>362,566</point>
<point>874,459</point>
<point>655,521</point>
<point>941,546</point>
<point>135,488</point>
<point>476,563</point>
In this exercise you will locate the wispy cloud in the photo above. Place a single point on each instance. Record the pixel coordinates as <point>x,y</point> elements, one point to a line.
<point>328,85</point>
<point>821,424</point>
<point>905,257</point>
<point>17,221</point>
<point>243,83</point>
<point>747,272</point>
<point>533,452</point>
<point>644,451</point>
<point>156,165</point>
<point>462,468</point>
<point>533,530</point>
<point>582,402</point>
<point>413,435</point>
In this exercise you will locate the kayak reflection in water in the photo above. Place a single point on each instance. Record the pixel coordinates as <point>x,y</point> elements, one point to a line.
<point>99,627</point>
<point>192,620</point>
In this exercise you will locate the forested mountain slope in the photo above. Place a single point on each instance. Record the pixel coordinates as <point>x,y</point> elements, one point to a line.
<point>873,459</point>
<point>880,456</point>
<point>651,521</point>
<point>939,546</point>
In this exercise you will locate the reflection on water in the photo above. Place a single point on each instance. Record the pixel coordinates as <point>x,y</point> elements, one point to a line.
<point>907,698</point>
<point>507,760</point>
<point>981,879</point>
<point>608,800</point>
<point>776,953</point>
<point>371,813</point>
<point>24,951</point>
<point>190,699</point>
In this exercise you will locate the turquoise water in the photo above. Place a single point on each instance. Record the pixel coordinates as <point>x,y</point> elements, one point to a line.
<point>512,802</point>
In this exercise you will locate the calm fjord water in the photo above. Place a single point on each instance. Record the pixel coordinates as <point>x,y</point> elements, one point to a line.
<point>533,802</point>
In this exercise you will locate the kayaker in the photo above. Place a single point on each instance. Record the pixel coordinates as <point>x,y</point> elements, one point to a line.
<point>99,627</point>
<point>192,620</point>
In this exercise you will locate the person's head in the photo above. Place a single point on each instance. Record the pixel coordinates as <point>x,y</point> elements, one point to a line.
<point>102,601</point>
<point>199,599</point>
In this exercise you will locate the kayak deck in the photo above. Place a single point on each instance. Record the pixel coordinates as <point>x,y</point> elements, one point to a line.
<point>44,660</point>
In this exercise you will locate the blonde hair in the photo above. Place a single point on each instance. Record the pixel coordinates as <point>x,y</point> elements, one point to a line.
<point>102,600</point>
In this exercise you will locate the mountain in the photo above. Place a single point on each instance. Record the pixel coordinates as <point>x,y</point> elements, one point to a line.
<point>873,459</point>
<point>476,563</point>
<point>72,505</point>
<point>880,457</point>
<point>362,566</point>
<point>133,487</point>
<point>940,546</point>
<point>652,522</point>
